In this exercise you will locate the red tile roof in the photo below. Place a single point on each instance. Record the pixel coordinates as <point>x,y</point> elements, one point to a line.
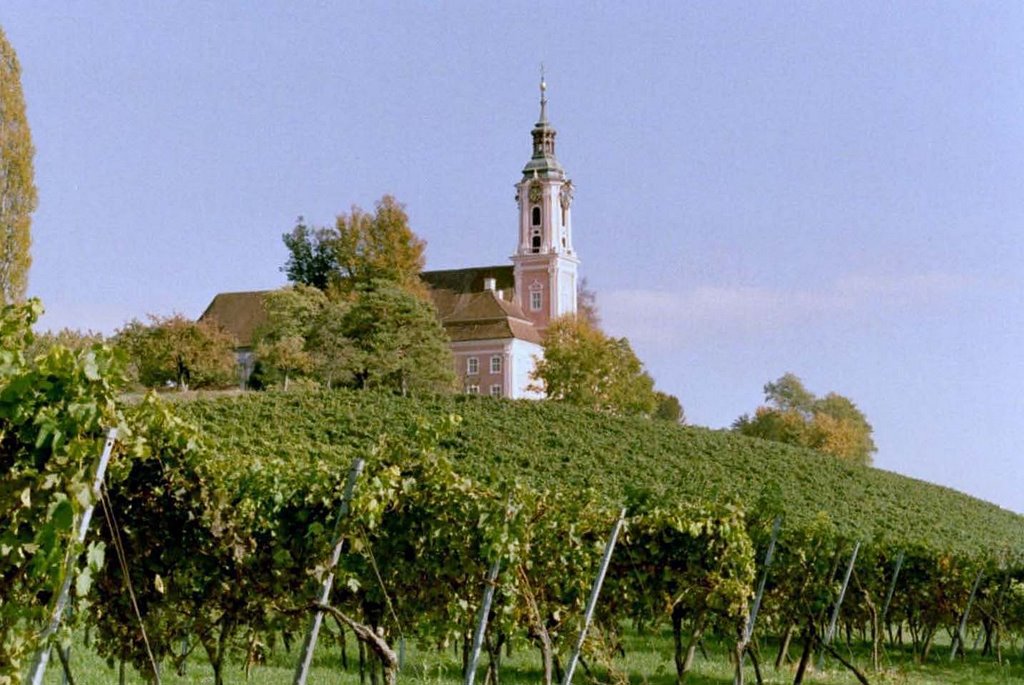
<point>482,316</point>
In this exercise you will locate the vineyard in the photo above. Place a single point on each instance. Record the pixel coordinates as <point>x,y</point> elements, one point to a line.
<point>550,445</point>
<point>213,539</point>
<point>702,504</point>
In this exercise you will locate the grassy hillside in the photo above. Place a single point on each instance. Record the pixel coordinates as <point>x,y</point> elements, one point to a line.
<point>552,445</point>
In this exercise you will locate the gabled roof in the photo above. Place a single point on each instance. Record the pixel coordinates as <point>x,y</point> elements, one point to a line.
<point>478,306</point>
<point>238,313</point>
<point>482,316</point>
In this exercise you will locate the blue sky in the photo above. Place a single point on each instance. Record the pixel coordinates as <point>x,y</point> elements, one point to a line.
<point>832,189</point>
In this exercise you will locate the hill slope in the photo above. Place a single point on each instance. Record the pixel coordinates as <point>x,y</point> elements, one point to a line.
<point>553,445</point>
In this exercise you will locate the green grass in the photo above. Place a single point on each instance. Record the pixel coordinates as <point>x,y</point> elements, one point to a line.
<point>648,661</point>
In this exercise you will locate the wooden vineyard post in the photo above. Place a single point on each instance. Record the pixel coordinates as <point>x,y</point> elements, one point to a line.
<point>748,629</point>
<point>481,626</point>
<point>592,601</point>
<point>839,602</point>
<point>959,638</point>
<point>38,668</point>
<point>309,646</point>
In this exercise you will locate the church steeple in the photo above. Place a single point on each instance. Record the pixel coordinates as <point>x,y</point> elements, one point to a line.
<point>543,160</point>
<point>545,262</point>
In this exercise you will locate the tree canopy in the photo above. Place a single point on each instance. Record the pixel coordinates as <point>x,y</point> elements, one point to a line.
<point>174,349</point>
<point>333,355</point>
<point>585,367</point>
<point>311,259</point>
<point>400,341</point>
<point>792,414</point>
<point>360,248</point>
<point>384,336</point>
<point>376,327</point>
<point>67,338</point>
<point>17,185</point>
<point>669,408</point>
<point>281,341</point>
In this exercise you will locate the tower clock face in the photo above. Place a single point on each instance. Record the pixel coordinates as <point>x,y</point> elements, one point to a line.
<point>535,193</point>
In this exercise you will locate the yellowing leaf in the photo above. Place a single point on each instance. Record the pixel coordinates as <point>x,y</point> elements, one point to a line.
<point>83,582</point>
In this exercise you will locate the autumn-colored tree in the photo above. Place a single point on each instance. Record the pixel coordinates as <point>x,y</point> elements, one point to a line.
<point>792,414</point>
<point>583,366</point>
<point>17,186</point>
<point>174,349</point>
<point>360,248</point>
<point>67,338</point>
<point>380,246</point>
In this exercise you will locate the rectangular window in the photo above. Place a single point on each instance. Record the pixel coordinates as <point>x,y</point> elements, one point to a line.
<point>472,366</point>
<point>535,301</point>
<point>472,389</point>
<point>496,364</point>
<point>495,391</point>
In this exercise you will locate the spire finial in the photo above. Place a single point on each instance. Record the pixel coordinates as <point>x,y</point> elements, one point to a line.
<point>543,96</point>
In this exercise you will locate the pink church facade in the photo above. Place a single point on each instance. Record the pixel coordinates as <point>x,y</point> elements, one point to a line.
<point>496,316</point>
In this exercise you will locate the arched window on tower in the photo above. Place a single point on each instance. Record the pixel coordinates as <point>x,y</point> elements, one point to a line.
<point>536,216</point>
<point>535,241</point>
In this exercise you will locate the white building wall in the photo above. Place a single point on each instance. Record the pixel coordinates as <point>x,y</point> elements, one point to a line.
<point>524,357</point>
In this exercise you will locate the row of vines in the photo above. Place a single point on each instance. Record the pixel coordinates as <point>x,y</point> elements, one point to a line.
<point>222,534</point>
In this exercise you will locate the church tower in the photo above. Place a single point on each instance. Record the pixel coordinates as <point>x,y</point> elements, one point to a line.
<point>545,263</point>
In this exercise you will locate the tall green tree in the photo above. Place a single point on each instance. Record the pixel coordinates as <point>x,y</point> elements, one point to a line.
<point>281,341</point>
<point>174,349</point>
<point>333,355</point>
<point>311,258</point>
<point>383,337</point>
<point>789,394</point>
<point>585,367</point>
<point>399,340</point>
<point>360,248</point>
<point>17,185</point>
<point>669,408</point>
<point>792,414</point>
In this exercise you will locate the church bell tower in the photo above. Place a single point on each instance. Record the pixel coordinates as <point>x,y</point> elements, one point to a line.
<point>545,263</point>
